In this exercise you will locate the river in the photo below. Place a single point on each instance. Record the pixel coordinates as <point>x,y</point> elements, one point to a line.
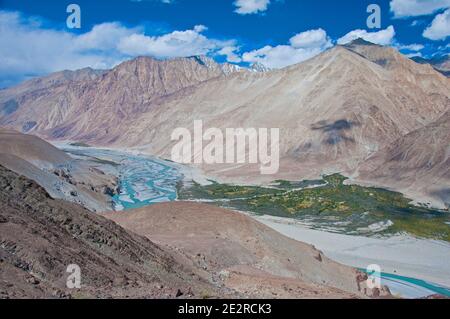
<point>146,180</point>
<point>143,180</point>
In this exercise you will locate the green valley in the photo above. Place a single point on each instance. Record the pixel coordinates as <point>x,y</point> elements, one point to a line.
<point>330,204</point>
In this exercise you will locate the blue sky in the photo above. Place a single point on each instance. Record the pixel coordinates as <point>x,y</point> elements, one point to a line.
<point>35,39</point>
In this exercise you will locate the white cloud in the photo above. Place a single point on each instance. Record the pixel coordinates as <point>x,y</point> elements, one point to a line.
<point>251,6</point>
<point>312,38</point>
<point>103,36</point>
<point>439,28</point>
<point>417,23</point>
<point>28,49</point>
<point>382,37</point>
<point>303,46</point>
<point>200,28</point>
<point>412,47</point>
<point>413,8</point>
<point>279,56</point>
<point>230,53</point>
<point>171,45</point>
<point>414,55</point>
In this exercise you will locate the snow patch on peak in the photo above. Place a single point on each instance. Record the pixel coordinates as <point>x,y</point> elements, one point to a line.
<point>229,68</point>
<point>258,67</point>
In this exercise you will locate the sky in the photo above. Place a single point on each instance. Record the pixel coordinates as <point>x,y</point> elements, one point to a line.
<point>35,38</point>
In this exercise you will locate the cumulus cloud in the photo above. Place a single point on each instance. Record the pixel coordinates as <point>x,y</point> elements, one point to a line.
<point>439,28</point>
<point>28,49</point>
<point>413,8</point>
<point>200,28</point>
<point>279,56</point>
<point>312,38</point>
<point>302,46</point>
<point>171,45</point>
<point>411,47</point>
<point>417,22</point>
<point>382,37</point>
<point>251,6</point>
<point>103,37</point>
<point>414,55</point>
<point>230,53</point>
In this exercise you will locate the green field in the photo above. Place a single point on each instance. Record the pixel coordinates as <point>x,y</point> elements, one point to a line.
<point>330,204</point>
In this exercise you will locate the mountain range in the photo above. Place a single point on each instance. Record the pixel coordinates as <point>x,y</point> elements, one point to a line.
<point>361,109</point>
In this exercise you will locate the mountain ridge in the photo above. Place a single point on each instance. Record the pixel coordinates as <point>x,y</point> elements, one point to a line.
<point>334,110</point>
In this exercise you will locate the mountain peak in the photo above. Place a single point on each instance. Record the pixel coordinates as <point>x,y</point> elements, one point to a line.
<point>229,68</point>
<point>259,67</point>
<point>360,41</point>
<point>211,64</point>
<point>385,56</point>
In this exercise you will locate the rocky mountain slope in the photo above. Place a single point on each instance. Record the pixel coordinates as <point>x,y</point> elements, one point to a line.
<point>40,237</point>
<point>38,86</point>
<point>441,64</point>
<point>112,98</point>
<point>242,254</point>
<point>334,111</point>
<point>61,175</point>
<point>417,163</point>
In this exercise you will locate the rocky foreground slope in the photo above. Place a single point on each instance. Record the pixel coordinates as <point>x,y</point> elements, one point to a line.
<point>40,237</point>
<point>62,176</point>
<point>196,251</point>
<point>243,254</point>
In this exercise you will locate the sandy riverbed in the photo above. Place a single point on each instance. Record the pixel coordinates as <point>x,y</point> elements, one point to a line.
<point>418,258</point>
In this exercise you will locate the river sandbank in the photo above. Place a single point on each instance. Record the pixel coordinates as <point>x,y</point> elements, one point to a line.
<point>428,260</point>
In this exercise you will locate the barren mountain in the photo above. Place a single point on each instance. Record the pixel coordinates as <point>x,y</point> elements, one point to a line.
<point>40,86</point>
<point>334,111</point>
<point>243,254</point>
<point>113,98</point>
<point>62,176</point>
<point>417,163</point>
